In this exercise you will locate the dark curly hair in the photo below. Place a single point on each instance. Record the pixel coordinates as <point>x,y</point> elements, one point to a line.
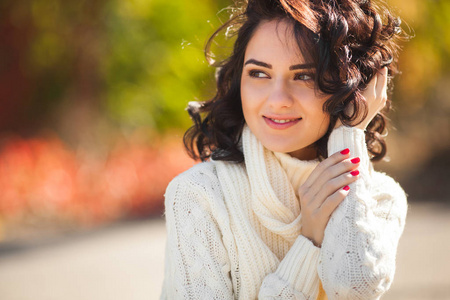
<point>348,41</point>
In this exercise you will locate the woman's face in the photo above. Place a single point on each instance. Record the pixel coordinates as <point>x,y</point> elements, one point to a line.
<point>280,104</point>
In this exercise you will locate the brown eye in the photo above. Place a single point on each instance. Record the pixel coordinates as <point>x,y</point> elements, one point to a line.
<point>258,74</point>
<point>303,77</point>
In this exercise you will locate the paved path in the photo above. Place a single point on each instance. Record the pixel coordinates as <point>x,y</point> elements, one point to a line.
<point>126,262</point>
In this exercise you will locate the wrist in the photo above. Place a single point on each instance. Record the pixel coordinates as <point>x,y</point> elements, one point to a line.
<point>316,240</point>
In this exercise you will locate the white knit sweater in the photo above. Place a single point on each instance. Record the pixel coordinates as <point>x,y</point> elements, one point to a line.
<point>234,230</point>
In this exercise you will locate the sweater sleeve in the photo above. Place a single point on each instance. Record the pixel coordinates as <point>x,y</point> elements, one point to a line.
<point>357,259</point>
<point>196,265</point>
<point>296,276</point>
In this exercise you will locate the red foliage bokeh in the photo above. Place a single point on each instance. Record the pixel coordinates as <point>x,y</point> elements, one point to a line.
<point>43,178</point>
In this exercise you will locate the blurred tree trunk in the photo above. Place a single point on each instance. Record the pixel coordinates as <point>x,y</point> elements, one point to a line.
<point>16,86</point>
<point>81,105</point>
<point>49,65</point>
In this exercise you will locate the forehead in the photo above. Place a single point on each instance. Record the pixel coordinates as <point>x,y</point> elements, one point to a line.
<point>274,40</point>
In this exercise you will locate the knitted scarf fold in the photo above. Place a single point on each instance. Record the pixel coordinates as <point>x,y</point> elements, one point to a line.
<point>272,176</point>
<point>261,194</point>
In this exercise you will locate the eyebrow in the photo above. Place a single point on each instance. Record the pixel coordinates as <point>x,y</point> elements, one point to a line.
<point>301,66</point>
<point>269,66</point>
<point>258,63</point>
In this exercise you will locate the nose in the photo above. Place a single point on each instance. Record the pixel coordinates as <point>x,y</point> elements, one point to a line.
<point>280,95</point>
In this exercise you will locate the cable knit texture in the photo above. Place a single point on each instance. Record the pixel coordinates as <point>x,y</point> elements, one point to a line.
<point>234,230</point>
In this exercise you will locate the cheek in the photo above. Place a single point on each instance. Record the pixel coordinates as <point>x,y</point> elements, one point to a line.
<point>319,118</point>
<point>324,124</point>
<point>324,119</point>
<point>250,97</point>
<point>244,97</point>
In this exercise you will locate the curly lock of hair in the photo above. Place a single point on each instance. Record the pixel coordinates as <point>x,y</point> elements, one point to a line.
<point>346,40</point>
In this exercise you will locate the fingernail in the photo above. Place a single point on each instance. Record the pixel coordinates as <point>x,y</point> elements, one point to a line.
<point>345,151</point>
<point>355,160</point>
<point>354,173</point>
<point>346,188</point>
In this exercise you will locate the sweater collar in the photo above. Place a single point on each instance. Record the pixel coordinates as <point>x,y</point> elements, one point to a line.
<point>272,178</point>
<point>296,170</point>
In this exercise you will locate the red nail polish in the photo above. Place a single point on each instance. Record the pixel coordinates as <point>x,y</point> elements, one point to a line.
<point>354,173</point>
<point>355,160</point>
<point>346,188</point>
<point>345,151</point>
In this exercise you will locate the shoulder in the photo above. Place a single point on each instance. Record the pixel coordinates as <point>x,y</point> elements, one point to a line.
<point>196,195</point>
<point>199,186</point>
<point>201,178</point>
<point>198,174</point>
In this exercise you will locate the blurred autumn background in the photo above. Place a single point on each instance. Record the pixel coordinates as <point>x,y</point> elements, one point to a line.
<point>92,98</point>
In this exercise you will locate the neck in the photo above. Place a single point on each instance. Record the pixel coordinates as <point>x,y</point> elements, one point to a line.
<point>307,153</point>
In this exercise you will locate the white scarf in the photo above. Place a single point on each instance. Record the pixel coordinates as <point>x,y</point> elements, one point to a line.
<point>269,183</point>
<point>266,210</point>
<point>274,180</point>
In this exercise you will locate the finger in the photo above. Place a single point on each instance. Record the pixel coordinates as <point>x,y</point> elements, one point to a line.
<point>370,91</point>
<point>323,165</point>
<point>334,185</point>
<point>333,201</point>
<point>381,85</point>
<point>331,180</point>
<point>330,173</point>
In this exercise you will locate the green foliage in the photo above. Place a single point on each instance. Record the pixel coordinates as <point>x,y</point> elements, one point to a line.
<point>155,63</point>
<point>426,57</point>
<point>143,60</point>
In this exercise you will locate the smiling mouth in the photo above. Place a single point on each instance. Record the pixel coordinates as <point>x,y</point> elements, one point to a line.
<point>280,124</point>
<point>283,121</point>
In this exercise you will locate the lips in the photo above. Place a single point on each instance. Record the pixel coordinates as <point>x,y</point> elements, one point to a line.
<point>281,122</point>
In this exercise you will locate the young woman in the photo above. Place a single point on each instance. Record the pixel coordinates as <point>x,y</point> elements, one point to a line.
<point>287,204</point>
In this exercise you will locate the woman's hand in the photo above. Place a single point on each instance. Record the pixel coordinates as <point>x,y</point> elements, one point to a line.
<point>375,95</point>
<point>323,191</point>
